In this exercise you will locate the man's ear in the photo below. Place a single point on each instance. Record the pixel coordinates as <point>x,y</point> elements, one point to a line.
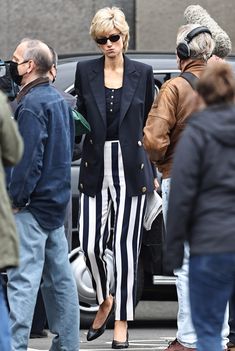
<point>53,72</point>
<point>31,66</point>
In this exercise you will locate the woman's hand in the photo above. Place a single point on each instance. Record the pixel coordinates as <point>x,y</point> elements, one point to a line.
<point>156,184</point>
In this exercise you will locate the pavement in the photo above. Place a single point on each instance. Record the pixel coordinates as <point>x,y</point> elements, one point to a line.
<point>153,329</point>
<point>137,343</point>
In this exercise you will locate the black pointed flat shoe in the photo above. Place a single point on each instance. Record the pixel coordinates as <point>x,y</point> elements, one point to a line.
<point>120,344</point>
<point>95,333</point>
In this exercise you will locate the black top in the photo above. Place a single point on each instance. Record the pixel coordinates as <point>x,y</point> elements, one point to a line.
<point>113,103</point>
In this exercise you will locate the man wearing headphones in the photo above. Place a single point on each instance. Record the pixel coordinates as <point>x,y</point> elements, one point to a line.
<point>166,120</point>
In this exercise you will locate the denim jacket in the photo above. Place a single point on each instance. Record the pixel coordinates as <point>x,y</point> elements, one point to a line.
<point>41,181</point>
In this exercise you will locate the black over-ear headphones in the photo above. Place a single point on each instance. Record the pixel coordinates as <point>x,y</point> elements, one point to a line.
<point>183,50</point>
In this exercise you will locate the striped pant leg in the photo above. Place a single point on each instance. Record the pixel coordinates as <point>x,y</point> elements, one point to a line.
<point>127,240</point>
<point>127,236</point>
<point>94,235</point>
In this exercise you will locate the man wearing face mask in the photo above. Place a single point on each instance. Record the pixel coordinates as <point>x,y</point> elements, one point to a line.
<point>40,190</point>
<point>39,319</point>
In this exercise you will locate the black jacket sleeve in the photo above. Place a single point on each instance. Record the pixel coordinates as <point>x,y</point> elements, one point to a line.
<point>149,98</point>
<point>80,106</point>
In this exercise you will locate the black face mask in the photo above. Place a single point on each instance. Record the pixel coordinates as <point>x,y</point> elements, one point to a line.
<point>13,68</point>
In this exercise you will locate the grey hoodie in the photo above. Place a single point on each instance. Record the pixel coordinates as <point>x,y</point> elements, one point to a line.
<point>202,199</point>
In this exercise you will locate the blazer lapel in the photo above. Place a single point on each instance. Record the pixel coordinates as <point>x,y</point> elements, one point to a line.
<point>131,79</point>
<point>96,80</point>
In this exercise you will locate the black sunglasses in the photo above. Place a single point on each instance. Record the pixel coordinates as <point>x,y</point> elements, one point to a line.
<point>113,38</point>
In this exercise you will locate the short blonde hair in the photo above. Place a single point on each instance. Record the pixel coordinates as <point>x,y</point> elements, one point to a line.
<point>201,46</point>
<point>108,18</point>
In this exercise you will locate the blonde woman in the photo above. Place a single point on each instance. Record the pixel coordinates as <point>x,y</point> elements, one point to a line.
<point>115,95</point>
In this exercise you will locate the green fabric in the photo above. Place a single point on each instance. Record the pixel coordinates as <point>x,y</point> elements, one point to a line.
<point>11,149</point>
<point>81,124</point>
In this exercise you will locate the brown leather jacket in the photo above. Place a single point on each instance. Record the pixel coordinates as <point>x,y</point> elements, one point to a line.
<point>167,117</point>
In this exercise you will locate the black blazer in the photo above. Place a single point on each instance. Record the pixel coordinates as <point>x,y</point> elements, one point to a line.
<point>136,101</point>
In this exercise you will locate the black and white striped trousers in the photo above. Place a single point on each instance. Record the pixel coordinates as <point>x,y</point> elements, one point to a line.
<point>94,234</point>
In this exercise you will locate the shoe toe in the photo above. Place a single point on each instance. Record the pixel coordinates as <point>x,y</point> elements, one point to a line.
<point>95,333</point>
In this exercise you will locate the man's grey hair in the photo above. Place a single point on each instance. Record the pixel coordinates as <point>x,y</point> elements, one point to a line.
<point>40,53</point>
<point>54,56</point>
<point>201,46</point>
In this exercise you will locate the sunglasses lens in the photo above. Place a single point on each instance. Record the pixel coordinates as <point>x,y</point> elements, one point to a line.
<point>112,38</point>
<point>101,41</point>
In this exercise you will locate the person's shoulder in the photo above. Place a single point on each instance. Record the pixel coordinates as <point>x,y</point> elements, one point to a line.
<point>201,122</point>
<point>170,85</point>
<point>85,64</point>
<point>140,66</point>
<point>177,84</point>
<point>198,117</point>
<point>40,91</point>
<point>2,97</point>
<point>5,109</point>
<point>59,96</point>
<point>178,81</point>
<point>3,100</point>
<point>37,95</point>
